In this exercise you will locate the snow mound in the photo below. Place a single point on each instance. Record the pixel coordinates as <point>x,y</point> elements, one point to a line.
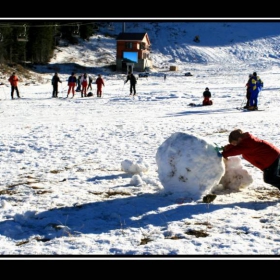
<point>236,177</point>
<point>138,167</point>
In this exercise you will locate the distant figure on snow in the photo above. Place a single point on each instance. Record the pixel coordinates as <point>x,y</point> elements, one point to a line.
<point>55,81</point>
<point>99,82</point>
<point>14,85</point>
<point>207,96</point>
<point>256,85</point>
<point>84,83</point>
<point>90,80</point>
<point>130,77</point>
<point>78,89</point>
<point>72,82</point>
<point>196,39</point>
<point>248,92</point>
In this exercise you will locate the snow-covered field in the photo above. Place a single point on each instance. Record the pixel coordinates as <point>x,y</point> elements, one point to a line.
<point>63,189</point>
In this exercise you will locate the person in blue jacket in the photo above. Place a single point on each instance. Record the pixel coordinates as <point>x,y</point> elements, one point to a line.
<point>72,82</point>
<point>255,86</point>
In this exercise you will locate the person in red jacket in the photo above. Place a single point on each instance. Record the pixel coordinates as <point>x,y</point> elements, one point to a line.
<point>258,152</point>
<point>14,85</point>
<point>100,82</point>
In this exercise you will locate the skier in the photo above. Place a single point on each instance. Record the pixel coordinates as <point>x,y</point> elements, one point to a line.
<point>55,81</point>
<point>72,82</point>
<point>84,83</point>
<point>130,77</point>
<point>14,85</point>
<point>248,92</point>
<point>255,85</point>
<point>99,82</point>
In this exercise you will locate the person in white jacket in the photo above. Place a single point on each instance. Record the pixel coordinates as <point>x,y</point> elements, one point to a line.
<point>84,83</point>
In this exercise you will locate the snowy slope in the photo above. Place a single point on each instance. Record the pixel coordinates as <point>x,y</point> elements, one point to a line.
<point>172,43</point>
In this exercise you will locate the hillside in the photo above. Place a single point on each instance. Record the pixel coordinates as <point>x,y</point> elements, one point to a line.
<point>248,45</point>
<point>172,43</point>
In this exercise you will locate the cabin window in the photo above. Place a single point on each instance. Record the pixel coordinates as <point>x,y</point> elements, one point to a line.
<point>142,46</point>
<point>128,45</point>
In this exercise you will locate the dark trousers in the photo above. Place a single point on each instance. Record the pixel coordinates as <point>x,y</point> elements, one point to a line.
<point>55,90</point>
<point>89,86</point>
<point>14,89</point>
<point>271,175</point>
<point>78,87</point>
<point>132,88</point>
<point>248,96</point>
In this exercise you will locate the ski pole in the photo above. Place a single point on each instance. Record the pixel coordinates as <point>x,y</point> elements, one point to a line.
<point>259,97</point>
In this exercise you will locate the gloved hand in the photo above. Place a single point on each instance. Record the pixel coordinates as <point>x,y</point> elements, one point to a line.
<point>219,154</point>
<point>218,149</point>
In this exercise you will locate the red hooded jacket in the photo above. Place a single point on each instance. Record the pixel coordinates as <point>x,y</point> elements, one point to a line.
<point>259,153</point>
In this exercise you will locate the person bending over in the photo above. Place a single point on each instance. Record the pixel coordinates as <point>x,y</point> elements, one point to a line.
<point>260,153</point>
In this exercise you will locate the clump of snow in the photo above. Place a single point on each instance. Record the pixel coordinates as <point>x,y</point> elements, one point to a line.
<point>136,180</point>
<point>138,167</point>
<point>189,164</point>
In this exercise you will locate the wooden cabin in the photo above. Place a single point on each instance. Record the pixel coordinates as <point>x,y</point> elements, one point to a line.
<point>133,52</point>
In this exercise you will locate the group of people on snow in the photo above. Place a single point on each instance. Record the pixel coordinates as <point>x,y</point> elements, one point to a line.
<point>260,153</point>
<point>254,86</point>
<point>84,82</point>
<point>81,84</point>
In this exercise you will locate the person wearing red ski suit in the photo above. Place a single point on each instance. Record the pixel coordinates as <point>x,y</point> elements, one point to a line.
<point>99,82</point>
<point>258,152</point>
<point>72,82</point>
<point>14,85</point>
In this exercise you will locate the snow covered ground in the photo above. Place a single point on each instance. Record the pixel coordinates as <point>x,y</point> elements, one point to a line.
<point>79,176</point>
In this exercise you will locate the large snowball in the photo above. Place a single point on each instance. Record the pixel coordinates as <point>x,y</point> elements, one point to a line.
<point>188,164</point>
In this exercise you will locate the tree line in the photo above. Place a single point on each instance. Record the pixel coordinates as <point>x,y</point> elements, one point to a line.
<point>35,41</point>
